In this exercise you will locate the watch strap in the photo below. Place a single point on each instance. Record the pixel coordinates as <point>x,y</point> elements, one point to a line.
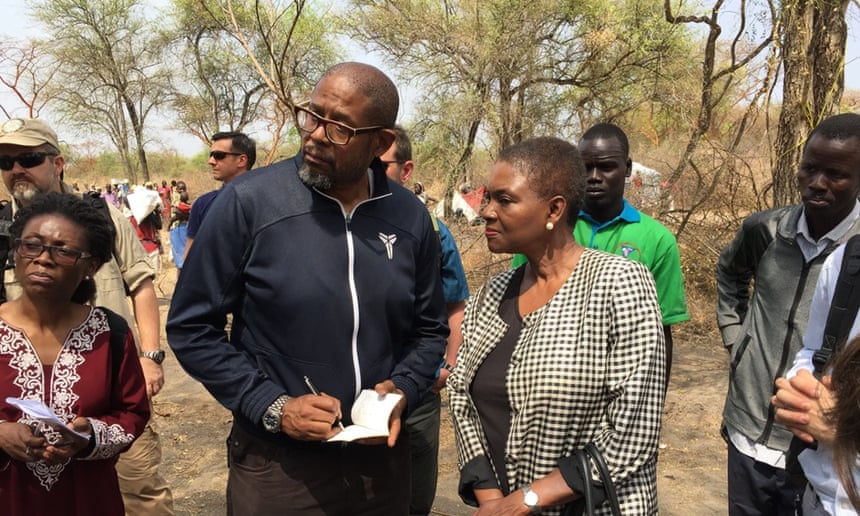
<point>156,356</point>
<point>274,412</point>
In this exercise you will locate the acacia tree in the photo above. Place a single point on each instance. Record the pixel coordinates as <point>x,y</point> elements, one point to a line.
<point>287,45</point>
<point>110,65</point>
<point>25,70</point>
<point>506,70</point>
<point>721,75</point>
<point>217,86</point>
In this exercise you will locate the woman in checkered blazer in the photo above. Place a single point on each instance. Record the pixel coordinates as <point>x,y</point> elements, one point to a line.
<point>561,352</point>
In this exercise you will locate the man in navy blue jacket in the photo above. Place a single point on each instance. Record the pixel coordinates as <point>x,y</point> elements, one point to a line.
<point>331,273</point>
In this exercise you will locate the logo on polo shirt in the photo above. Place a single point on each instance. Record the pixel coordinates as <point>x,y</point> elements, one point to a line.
<point>627,250</point>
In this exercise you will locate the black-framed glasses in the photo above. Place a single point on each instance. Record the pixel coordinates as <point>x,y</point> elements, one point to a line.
<point>388,163</point>
<point>26,160</point>
<point>218,155</point>
<point>32,249</point>
<point>337,132</point>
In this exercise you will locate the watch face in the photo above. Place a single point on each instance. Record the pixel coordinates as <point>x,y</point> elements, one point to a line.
<point>271,422</point>
<point>531,498</point>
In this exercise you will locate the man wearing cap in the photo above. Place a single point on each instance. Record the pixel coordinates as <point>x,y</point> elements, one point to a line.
<point>32,164</point>
<point>231,155</point>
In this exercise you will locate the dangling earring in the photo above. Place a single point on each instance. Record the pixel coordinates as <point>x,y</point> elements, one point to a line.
<point>549,226</point>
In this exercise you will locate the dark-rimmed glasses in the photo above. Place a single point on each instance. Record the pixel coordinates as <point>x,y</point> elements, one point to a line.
<point>337,132</point>
<point>218,155</point>
<point>32,249</point>
<point>392,162</point>
<point>26,160</point>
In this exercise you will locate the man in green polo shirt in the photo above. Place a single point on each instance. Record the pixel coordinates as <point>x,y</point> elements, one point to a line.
<point>607,222</point>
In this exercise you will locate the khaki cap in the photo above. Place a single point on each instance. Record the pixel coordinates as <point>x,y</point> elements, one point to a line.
<point>27,132</point>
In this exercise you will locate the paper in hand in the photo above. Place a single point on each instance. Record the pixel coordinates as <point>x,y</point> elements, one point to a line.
<point>37,409</point>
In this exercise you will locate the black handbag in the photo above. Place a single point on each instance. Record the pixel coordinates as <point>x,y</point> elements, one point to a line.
<point>611,495</point>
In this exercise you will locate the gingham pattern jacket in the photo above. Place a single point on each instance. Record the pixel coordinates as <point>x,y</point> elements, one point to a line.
<point>589,366</point>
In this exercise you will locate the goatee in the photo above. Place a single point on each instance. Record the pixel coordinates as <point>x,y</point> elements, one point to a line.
<point>313,179</point>
<point>24,193</point>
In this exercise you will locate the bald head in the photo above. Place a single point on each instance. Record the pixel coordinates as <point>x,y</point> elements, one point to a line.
<point>371,83</point>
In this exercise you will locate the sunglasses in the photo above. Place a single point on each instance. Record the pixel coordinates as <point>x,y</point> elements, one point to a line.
<point>26,160</point>
<point>218,155</point>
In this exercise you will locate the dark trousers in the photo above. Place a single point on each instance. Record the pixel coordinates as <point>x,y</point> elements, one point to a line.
<point>422,426</point>
<point>315,478</point>
<point>756,488</point>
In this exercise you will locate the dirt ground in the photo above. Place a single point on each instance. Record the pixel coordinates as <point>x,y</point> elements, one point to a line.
<point>691,469</point>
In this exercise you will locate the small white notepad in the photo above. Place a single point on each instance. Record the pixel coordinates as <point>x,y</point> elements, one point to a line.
<point>370,414</point>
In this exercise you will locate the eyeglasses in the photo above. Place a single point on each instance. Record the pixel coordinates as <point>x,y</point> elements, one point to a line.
<point>26,160</point>
<point>218,155</point>
<point>337,132</point>
<point>32,249</point>
<point>392,162</point>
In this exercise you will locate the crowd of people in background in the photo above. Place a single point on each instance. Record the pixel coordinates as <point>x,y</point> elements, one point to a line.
<point>308,282</point>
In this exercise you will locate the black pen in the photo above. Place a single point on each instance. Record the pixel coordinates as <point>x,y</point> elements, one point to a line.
<point>315,392</point>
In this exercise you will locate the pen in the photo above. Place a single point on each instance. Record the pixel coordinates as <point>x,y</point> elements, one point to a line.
<point>315,392</point>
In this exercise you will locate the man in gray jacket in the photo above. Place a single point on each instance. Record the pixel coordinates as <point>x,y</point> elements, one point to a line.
<point>780,251</point>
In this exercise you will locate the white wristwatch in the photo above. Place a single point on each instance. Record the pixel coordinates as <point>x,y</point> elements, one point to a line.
<point>531,500</point>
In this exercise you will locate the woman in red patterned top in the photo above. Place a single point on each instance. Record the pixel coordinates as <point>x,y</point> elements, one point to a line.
<point>56,349</point>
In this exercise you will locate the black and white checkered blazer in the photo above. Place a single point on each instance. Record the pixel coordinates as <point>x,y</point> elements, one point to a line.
<point>589,366</point>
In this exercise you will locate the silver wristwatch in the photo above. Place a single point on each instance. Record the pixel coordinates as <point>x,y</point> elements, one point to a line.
<point>531,500</point>
<point>272,415</point>
<point>156,356</point>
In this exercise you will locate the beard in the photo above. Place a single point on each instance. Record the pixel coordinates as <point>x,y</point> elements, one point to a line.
<point>24,192</point>
<point>314,179</point>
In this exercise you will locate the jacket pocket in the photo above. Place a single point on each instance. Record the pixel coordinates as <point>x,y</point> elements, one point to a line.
<point>738,351</point>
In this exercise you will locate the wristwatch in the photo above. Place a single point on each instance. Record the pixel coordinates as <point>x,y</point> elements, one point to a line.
<point>530,498</point>
<point>155,356</point>
<point>272,415</point>
<point>449,367</point>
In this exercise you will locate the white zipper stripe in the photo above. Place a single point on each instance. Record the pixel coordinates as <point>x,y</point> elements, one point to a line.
<point>353,294</point>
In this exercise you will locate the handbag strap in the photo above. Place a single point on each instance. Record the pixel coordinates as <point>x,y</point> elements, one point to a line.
<point>586,476</point>
<point>608,485</point>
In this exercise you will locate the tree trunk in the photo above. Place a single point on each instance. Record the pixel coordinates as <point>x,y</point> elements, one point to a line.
<point>795,115</point>
<point>828,55</point>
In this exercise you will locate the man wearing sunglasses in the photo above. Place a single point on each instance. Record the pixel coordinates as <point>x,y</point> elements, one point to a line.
<point>32,164</point>
<point>231,155</point>
<point>331,275</point>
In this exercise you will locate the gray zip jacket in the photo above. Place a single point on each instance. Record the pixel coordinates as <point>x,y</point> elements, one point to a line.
<point>765,325</point>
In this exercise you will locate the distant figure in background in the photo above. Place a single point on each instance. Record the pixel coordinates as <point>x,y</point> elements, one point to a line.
<point>231,155</point>
<point>109,195</point>
<point>178,224</point>
<point>166,198</point>
<point>423,422</point>
<point>145,210</point>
